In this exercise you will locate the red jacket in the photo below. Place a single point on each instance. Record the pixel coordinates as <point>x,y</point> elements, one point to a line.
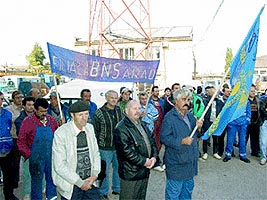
<point>28,130</point>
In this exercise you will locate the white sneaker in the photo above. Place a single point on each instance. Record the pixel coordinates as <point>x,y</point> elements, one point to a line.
<point>159,169</point>
<point>217,156</point>
<point>263,161</point>
<point>205,156</point>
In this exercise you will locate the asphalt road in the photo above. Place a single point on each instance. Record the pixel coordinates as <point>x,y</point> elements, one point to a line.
<point>216,180</point>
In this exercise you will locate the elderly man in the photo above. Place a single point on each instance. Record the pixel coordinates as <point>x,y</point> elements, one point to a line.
<point>181,150</point>
<point>35,93</point>
<point>35,143</point>
<point>137,153</point>
<point>76,159</point>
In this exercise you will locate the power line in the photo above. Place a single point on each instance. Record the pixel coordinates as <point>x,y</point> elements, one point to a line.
<point>211,23</point>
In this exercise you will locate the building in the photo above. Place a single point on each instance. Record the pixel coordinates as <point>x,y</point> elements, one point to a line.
<point>260,73</point>
<point>171,45</point>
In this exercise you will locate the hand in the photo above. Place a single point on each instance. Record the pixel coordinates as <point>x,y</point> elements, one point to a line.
<point>187,141</point>
<point>199,123</point>
<point>153,161</point>
<point>148,163</point>
<point>88,183</point>
<point>61,121</point>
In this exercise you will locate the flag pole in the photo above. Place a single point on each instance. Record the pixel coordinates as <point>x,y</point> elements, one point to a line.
<point>58,100</point>
<point>214,95</point>
<point>211,100</point>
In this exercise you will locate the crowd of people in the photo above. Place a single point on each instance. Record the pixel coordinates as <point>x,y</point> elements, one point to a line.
<point>70,152</point>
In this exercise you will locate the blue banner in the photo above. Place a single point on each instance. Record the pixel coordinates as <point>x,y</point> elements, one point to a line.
<point>241,74</point>
<point>94,68</point>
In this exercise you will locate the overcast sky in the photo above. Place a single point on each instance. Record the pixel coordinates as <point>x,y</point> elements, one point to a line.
<point>24,22</point>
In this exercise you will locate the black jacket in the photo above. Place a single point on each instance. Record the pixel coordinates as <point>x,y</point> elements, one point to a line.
<point>263,109</point>
<point>132,151</point>
<point>104,123</point>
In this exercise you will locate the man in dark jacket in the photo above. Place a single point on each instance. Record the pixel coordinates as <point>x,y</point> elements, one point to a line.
<point>104,121</point>
<point>212,113</point>
<point>181,150</point>
<point>136,152</point>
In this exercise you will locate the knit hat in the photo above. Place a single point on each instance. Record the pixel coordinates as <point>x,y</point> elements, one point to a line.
<point>79,106</point>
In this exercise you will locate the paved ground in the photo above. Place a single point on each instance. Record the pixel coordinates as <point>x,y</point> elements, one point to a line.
<point>216,180</point>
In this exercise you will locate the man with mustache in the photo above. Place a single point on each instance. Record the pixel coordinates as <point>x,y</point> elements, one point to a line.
<point>28,108</point>
<point>181,150</point>
<point>35,143</point>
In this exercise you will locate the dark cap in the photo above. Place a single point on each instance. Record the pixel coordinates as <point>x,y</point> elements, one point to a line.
<point>79,106</point>
<point>54,94</point>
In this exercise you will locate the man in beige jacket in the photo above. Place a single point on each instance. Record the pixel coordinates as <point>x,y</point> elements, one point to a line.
<point>75,156</point>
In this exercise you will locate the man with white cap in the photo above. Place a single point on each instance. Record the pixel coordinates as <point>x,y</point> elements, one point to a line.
<point>75,156</point>
<point>125,97</point>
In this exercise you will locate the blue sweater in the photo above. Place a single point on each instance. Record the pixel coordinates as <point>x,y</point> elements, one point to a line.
<point>180,160</point>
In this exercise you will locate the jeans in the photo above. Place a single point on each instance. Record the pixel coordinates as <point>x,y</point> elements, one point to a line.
<point>27,178</point>
<point>231,133</point>
<point>179,189</point>
<point>110,156</point>
<point>263,139</point>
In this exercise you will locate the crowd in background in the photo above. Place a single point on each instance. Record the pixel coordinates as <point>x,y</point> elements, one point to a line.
<point>124,135</point>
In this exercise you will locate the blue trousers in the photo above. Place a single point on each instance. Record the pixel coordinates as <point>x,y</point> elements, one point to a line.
<point>231,133</point>
<point>111,158</point>
<point>37,171</point>
<point>179,189</point>
<point>263,140</point>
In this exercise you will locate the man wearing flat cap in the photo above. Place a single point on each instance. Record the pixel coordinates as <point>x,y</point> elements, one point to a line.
<point>75,156</point>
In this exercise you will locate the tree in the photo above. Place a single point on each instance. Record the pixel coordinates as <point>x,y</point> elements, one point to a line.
<point>36,57</point>
<point>228,60</point>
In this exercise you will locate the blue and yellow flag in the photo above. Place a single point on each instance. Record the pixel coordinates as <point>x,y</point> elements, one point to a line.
<point>241,74</point>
